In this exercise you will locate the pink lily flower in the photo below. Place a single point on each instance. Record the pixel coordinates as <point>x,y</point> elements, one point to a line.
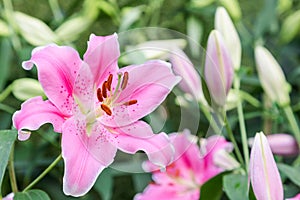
<point>191,169</point>
<point>263,172</point>
<point>218,69</point>
<point>96,106</point>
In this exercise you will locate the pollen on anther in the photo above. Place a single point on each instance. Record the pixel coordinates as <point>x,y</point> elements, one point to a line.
<point>104,87</point>
<point>99,95</point>
<point>109,81</point>
<point>131,102</point>
<point>106,109</point>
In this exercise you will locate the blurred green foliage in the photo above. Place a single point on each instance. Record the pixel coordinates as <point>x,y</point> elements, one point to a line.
<point>26,24</point>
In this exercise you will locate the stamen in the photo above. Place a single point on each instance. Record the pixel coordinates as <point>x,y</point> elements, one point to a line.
<point>125,80</point>
<point>131,102</point>
<point>109,81</point>
<point>106,109</point>
<point>99,95</point>
<point>104,87</point>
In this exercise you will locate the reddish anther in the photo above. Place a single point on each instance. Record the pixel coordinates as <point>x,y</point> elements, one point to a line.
<point>131,102</point>
<point>109,81</point>
<point>106,109</point>
<point>104,87</point>
<point>125,80</point>
<point>99,95</point>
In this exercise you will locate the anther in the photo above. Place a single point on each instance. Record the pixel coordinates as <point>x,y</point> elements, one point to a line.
<point>106,109</point>
<point>125,80</point>
<point>131,102</point>
<point>104,87</point>
<point>109,81</point>
<point>99,95</point>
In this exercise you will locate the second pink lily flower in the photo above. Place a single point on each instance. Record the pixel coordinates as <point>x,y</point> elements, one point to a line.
<point>96,106</point>
<point>193,166</point>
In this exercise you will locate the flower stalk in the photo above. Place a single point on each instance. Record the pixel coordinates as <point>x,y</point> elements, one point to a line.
<point>292,121</point>
<point>11,171</point>
<point>46,171</point>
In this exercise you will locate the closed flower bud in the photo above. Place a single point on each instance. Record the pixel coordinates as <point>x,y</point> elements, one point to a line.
<point>263,172</point>
<point>272,77</point>
<point>218,70</point>
<point>225,26</point>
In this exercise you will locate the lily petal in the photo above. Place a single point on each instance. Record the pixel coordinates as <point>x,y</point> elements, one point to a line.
<point>102,56</point>
<point>84,89</point>
<point>149,84</point>
<point>191,82</point>
<point>34,113</point>
<point>139,129</point>
<point>85,156</point>
<point>158,148</point>
<point>57,68</point>
<point>263,172</point>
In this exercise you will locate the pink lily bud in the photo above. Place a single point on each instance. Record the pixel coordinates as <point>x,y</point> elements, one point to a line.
<point>263,172</point>
<point>271,76</point>
<point>191,82</point>
<point>218,70</point>
<point>281,144</point>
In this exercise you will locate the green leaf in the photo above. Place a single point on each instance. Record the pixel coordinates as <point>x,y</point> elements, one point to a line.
<point>7,138</point>
<point>291,172</point>
<point>235,186</point>
<point>129,16</point>
<point>5,61</point>
<point>266,18</point>
<point>212,189</point>
<point>32,195</point>
<point>104,184</point>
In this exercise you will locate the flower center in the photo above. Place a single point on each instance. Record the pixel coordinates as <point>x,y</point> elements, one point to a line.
<point>108,98</point>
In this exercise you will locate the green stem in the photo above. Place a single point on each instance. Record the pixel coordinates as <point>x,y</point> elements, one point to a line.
<point>5,93</point>
<point>8,8</point>
<point>7,108</point>
<point>49,168</point>
<point>292,121</point>
<point>242,125</point>
<point>58,16</point>
<point>232,139</point>
<point>243,134</point>
<point>210,119</point>
<point>11,170</point>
